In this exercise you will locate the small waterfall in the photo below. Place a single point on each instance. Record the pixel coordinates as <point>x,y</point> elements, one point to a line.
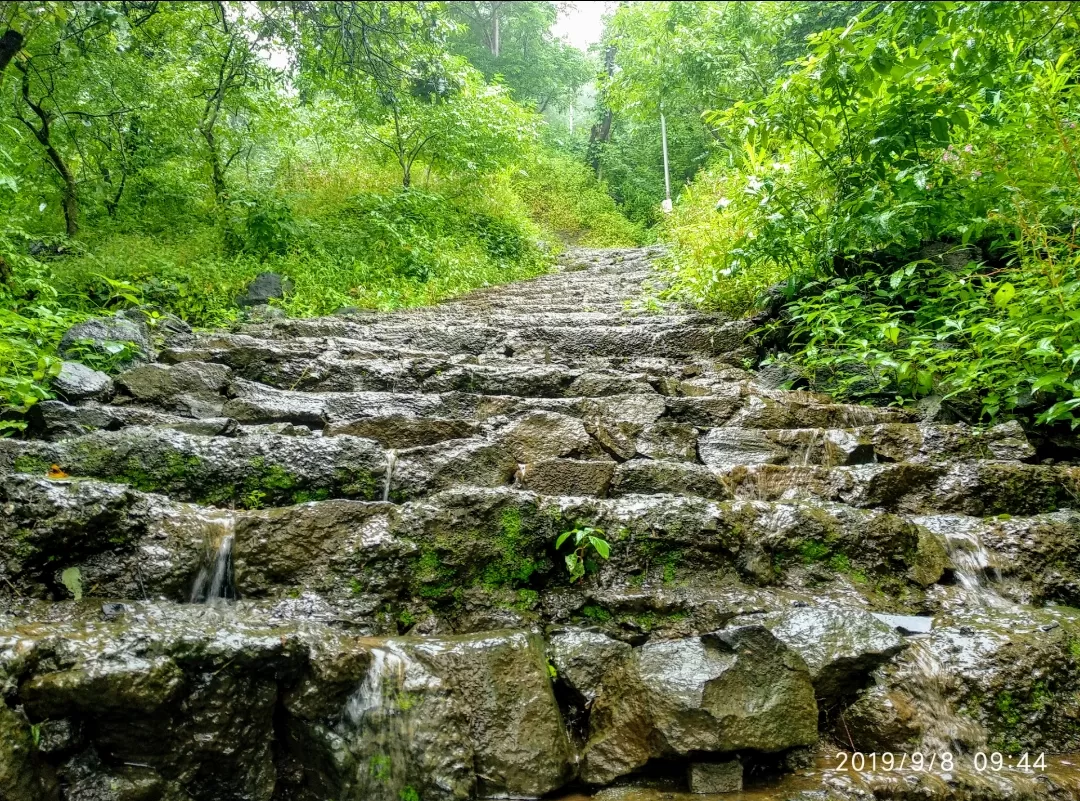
<point>973,567</point>
<point>973,563</point>
<point>391,462</point>
<point>944,729</point>
<point>519,474</point>
<point>378,730</point>
<point>215,580</point>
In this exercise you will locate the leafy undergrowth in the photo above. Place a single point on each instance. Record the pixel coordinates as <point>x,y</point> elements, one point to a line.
<point>377,248</point>
<point>912,185</point>
<point>565,197</point>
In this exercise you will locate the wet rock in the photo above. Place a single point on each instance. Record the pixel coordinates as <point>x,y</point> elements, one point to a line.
<point>45,519</point>
<point>116,337</point>
<point>111,611</point>
<point>907,624</point>
<point>194,389</point>
<point>779,375</point>
<point>146,685</point>
<point>619,438</point>
<point>399,432</point>
<point>22,777</point>
<point>520,744</point>
<point>473,462</point>
<point>715,777</point>
<point>727,448</point>
<point>249,471</point>
<point>568,477</point>
<point>177,693</point>
<point>254,403</point>
<point>53,420</point>
<point>739,688</point>
<point>841,647</point>
<point>646,477</point>
<point>544,435</point>
<point>930,559</point>
<point>636,409</point>
<point>264,288</point>
<point>207,427</point>
<point>77,382</point>
<point>668,442</point>
<point>583,658</point>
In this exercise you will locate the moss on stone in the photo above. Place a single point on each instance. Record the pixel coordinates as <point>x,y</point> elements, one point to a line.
<point>597,613</point>
<point>358,483</point>
<point>28,463</point>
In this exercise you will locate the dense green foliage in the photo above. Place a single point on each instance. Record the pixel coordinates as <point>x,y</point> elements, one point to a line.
<point>163,154</point>
<point>913,178</point>
<point>906,171</point>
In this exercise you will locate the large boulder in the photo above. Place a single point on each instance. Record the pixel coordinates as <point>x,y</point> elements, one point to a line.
<point>840,646</point>
<point>582,658</point>
<point>189,698</point>
<point>193,389</point>
<point>117,337</point>
<point>77,382</point>
<point>740,688</point>
<point>256,470</point>
<point>520,744</point>
<point>1005,681</point>
<point>542,435</point>
<point>371,721</point>
<point>264,288</point>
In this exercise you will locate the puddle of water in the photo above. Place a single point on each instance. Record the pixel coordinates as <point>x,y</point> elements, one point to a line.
<point>829,771</point>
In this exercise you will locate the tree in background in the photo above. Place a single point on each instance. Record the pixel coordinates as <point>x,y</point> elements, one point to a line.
<point>689,58</point>
<point>511,43</point>
<point>416,99</point>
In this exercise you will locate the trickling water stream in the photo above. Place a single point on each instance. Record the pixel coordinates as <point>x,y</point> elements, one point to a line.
<point>391,463</point>
<point>215,580</point>
<point>945,730</point>
<point>377,731</point>
<point>973,563</point>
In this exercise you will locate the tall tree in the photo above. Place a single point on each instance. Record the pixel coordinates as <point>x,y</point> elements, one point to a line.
<point>513,43</point>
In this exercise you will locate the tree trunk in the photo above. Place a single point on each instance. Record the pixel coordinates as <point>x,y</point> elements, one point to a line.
<point>217,173</point>
<point>10,44</point>
<point>70,196</point>
<point>601,132</point>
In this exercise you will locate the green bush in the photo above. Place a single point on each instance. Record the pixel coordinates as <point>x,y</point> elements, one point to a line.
<point>567,200</point>
<point>918,127</point>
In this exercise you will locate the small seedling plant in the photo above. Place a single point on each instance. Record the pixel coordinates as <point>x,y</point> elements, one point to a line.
<point>586,539</point>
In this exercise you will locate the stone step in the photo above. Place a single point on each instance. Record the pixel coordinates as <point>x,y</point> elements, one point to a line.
<point>493,543</point>
<point>741,404</point>
<point>284,364</point>
<point>553,454</point>
<point>499,541</point>
<point>670,340</point>
<point>978,488</point>
<point>384,493</point>
<point>731,447</point>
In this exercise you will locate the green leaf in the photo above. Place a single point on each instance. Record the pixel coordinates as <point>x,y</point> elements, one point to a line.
<point>562,538</point>
<point>1006,292</point>
<point>939,127</point>
<point>601,547</point>
<point>72,579</point>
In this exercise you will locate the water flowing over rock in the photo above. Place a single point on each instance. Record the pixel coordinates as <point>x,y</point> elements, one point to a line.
<point>316,559</point>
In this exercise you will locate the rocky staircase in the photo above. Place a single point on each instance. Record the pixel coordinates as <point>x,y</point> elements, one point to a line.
<point>368,507</point>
